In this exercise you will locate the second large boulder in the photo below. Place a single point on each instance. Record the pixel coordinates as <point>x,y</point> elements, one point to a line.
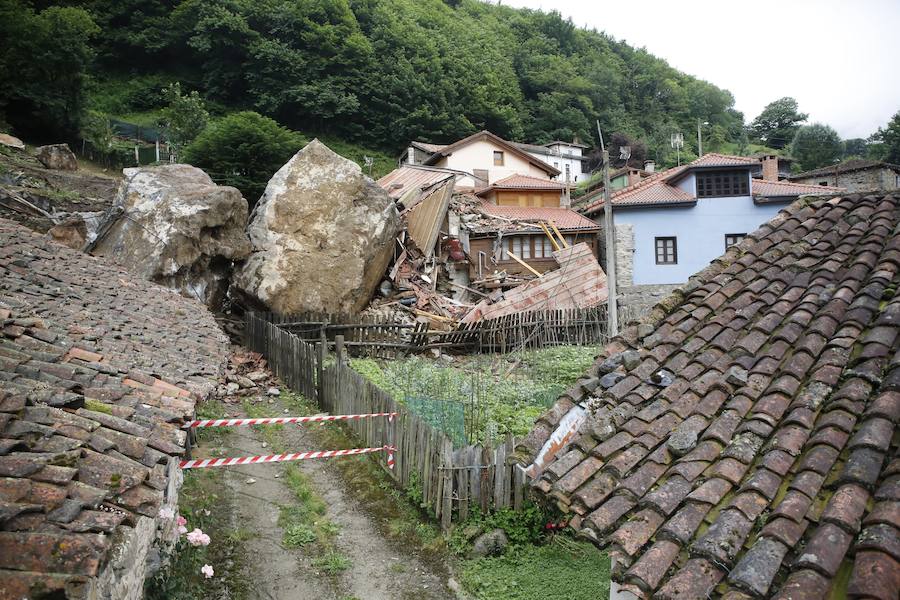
<point>173,225</point>
<point>322,236</point>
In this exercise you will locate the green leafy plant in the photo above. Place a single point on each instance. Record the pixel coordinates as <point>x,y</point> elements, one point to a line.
<point>184,117</point>
<point>333,563</point>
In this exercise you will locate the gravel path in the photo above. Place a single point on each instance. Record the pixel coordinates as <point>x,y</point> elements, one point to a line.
<point>379,571</point>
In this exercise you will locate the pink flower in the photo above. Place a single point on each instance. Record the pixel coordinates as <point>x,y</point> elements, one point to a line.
<point>166,513</point>
<point>181,521</point>
<point>207,570</point>
<point>198,538</point>
<point>182,530</point>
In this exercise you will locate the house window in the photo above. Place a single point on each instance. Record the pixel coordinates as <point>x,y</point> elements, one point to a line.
<point>722,183</point>
<point>666,251</point>
<point>823,183</point>
<point>518,245</point>
<point>732,239</point>
<point>555,165</point>
<point>481,176</point>
<point>543,247</point>
<point>567,172</point>
<point>498,158</point>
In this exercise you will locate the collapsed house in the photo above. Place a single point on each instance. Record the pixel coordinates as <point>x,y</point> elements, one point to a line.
<point>465,246</point>
<point>741,441</point>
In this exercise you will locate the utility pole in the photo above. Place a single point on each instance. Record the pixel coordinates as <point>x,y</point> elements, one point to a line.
<point>613,314</point>
<point>699,138</point>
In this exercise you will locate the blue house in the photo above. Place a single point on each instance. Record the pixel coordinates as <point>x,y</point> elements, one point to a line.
<point>671,224</point>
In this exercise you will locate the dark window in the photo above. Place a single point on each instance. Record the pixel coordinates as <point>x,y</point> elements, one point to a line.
<point>722,183</point>
<point>733,238</point>
<point>498,158</point>
<point>666,251</point>
<point>823,183</point>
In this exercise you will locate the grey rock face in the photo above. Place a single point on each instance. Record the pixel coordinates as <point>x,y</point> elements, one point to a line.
<point>489,544</point>
<point>322,236</point>
<point>57,156</point>
<point>173,225</point>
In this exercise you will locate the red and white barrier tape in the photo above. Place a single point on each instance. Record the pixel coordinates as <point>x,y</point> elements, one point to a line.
<point>282,420</point>
<point>246,460</point>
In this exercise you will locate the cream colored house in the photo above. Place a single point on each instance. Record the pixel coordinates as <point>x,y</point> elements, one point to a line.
<point>487,158</point>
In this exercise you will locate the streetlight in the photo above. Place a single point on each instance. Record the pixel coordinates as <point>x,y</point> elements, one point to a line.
<point>700,137</point>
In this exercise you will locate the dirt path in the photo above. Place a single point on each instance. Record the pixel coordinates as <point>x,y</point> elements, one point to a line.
<point>379,570</point>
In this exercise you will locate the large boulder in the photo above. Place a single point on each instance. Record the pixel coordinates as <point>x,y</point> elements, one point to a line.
<point>322,235</point>
<point>173,225</point>
<point>11,142</point>
<point>57,156</point>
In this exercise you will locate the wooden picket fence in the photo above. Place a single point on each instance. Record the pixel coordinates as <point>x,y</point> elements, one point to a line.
<point>380,338</point>
<point>451,482</point>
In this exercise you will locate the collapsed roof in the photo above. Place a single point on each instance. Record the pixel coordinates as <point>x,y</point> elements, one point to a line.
<point>741,440</point>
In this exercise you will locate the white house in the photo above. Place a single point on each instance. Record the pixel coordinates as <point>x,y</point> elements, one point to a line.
<point>568,157</point>
<point>488,158</point>
<point>671,224</point>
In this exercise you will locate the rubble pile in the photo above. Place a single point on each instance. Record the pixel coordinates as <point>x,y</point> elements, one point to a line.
<point>247,377</point>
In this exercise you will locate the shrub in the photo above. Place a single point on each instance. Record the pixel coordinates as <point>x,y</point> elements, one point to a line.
<point>243,150</point>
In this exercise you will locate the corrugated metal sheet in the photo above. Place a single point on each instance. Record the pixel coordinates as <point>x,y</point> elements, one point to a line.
<point>425,219</point>
<point>400,181</point>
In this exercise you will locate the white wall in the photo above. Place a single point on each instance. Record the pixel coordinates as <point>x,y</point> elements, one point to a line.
<point>559,158</point>
<point>480,155</point>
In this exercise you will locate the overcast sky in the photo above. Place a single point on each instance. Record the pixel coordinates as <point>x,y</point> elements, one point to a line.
<point>839,58</point>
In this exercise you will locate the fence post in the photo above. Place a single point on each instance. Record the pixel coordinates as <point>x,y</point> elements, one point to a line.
<point>339,349</point>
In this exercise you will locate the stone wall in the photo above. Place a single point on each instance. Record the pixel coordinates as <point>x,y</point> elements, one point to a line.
<point>624,254</point>
<point>635,301</point>
<point>864,180</point>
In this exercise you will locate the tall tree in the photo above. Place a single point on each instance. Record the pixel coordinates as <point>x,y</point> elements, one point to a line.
<point>44,58</point>
<point>778,123</point>
<point>815,146</point>
<point>886,140</point>
<point>854,147</point>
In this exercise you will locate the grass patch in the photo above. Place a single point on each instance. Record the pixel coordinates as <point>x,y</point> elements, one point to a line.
<point>482,398</point>
<point>560,570</point>
<point>333,563</point>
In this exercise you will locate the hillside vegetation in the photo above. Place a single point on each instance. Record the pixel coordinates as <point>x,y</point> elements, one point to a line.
<point>371,72</point>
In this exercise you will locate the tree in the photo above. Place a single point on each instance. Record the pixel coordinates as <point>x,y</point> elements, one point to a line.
<point>886,141</point>
<point>243,150</point>
<point>854,147</point>
<point>778,123</point>
<point>815,146</point>
<point>184,118</point>
<point>44,58</point>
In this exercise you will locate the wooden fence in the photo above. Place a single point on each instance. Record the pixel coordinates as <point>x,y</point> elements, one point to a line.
<point>452,482</point>
<point>383,339</point>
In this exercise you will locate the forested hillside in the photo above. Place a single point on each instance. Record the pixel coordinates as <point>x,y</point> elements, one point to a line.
<point>375,72</point>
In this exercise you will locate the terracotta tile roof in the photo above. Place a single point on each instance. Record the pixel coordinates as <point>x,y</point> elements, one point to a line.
<point>854,164</point>
<point>523,182</point>
<point>657,188</point>
<point>723,160</point>
<point>430,147</point>
<point>564,218</point>
<point>579,282</point>
<point>409,177</point>
<point>763,188</point>
<point>98,369</point>
<point>741,441</point>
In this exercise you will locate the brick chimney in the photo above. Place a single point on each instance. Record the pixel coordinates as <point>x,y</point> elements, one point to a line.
<point>769,167</point>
